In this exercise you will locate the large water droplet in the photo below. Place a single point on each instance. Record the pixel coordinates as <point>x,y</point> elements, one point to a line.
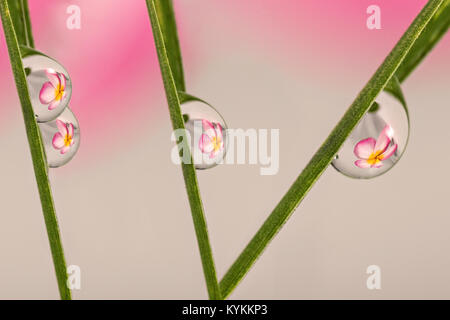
<point>377,142</point>
<point>61,138</point>
<point>208,132</point>
<point>49,85</point>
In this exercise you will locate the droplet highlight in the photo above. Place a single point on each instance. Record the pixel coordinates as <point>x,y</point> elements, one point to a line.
<point>208,133</point>
<point>61,138</point>
<point>378,141</point>
<point>49,85</point>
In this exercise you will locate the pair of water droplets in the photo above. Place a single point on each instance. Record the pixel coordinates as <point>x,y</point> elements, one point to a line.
<point>374,146</point>
<point>50,90</point>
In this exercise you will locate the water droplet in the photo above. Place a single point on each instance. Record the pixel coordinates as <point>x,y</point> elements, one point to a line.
<point>61,138</point>
<point>49,85</point>
<point>377,142</point>
<point>208,132</point>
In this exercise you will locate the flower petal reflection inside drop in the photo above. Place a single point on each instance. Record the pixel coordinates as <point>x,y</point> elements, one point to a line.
<point>211,142</point>
<point>378,141</point>
<point>371,153</point>
<point>53,91</point>
<point>208,133</point>
<point>63,139</point>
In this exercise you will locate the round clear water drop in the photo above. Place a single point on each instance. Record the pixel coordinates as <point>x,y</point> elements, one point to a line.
<point>378,141</point>
<point>49,85</point>
<point>208,133</point>
<point>61,138</point>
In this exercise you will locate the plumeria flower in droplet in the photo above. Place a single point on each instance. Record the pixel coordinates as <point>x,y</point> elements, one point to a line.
<point>211,142</point>
<point>372,153</point>
<point>53,91</point>
<point>63,139</point>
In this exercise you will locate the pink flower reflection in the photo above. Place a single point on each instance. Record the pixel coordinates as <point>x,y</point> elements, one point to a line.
<point>53,91</point>
<point>63,139</point>
<point>211,142</point>
<point>372,153</point>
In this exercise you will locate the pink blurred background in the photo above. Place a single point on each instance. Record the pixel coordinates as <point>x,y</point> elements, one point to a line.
<point>319,52</point>
<point>114,69</point>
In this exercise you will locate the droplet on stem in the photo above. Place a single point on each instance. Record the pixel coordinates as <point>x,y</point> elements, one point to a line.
<point>378,141</point>
<point>61,138</point>
<point>208,133</point>
<point>49,85</point>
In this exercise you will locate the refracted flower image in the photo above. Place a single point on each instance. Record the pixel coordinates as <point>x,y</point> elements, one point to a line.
<point>211,142</point>
<point>54,90</point>
<point>63,140</point>
<point>378,142</point>
<point>49,85</point>
<point>208,132</point>
<point>372,153</point>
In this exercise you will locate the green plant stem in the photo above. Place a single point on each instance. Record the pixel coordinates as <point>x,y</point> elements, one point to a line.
<point>188,169</point>
<point>433,32</point>
<point>322,158</point>
<point>29,42</point>
<point>167,22</point>
<point>37,152</point>
<point>21,22</point>
<point>17,19</point>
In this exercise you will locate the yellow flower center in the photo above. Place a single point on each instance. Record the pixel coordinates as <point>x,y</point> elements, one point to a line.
<point>67,140</point>
<point>59,92</point>
<point>216,144</point>
<point>375,157</point>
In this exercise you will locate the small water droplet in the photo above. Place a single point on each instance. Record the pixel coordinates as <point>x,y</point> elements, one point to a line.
<point>208,132</point>
<point>61,138</point>
<point>49,85</point>
<point>378,141</point>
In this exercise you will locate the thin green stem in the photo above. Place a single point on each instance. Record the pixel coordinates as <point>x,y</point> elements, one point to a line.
<point>188,169</point>
<point>27,23</point>
<point>17,18</point>
<point>37,152</point>
<point>322,158</point>
<point>167,22</point>
<point>431,35</point>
